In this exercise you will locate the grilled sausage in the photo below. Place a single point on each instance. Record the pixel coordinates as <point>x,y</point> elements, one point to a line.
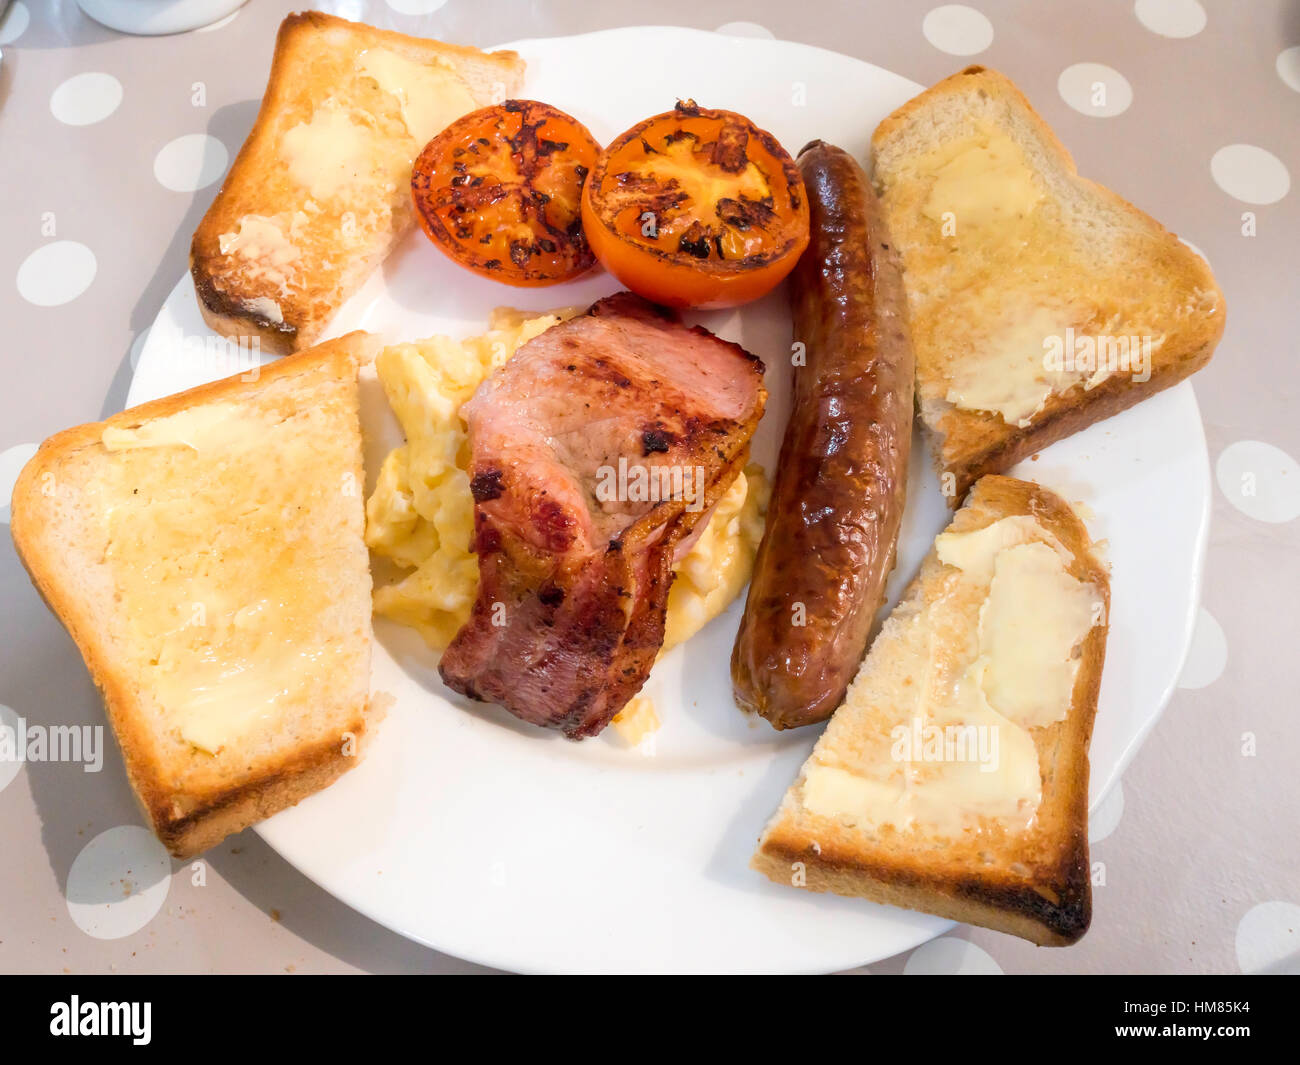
<point>837,502</point>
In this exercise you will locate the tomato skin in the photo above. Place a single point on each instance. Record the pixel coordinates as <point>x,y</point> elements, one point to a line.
<point>499,191</point>
<point>679,284</point>
<point>675,278</point>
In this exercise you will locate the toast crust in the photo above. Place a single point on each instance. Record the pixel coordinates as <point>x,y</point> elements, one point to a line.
<point>1037,884</point>
<point>190,823</point>
<point>976,444</point>
<point>970,444</point>
<point>233,303</point>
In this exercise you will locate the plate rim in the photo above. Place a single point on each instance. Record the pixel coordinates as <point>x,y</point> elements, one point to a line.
<point>1200,551</point>
<point>504,959</point>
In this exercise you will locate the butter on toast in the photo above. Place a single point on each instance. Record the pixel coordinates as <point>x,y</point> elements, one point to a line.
<point>320,191</point>
<point>992,659</point>
<point>205,552</point>
<point>1040,302</point>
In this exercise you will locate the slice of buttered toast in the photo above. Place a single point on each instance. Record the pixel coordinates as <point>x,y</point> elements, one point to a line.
<point>1040,302</point>
<point>205,552</point>
<point>320,191</point>
<point>954,778</point>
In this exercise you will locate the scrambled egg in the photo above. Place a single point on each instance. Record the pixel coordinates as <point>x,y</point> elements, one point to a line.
<point>421,513</point>
<point>720,562</point>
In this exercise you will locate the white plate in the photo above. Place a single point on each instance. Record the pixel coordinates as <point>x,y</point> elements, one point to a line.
<point>486,838</point>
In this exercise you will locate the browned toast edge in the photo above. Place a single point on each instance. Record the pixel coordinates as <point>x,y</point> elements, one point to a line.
<point>211,817</point>
<point>1074,410</point>
<point>228,315</point>
<point>1057,909</point>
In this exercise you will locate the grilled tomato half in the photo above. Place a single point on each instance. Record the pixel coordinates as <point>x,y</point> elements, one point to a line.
<point>696,208</point>
<point>499,191</point>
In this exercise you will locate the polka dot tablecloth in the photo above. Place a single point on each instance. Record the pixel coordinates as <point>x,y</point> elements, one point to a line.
<point>111,148</point>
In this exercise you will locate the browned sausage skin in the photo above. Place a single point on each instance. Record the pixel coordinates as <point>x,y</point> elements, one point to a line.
<point>837,501</point>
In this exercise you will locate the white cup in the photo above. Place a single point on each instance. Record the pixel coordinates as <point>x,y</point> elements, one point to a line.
<point>155,17</point>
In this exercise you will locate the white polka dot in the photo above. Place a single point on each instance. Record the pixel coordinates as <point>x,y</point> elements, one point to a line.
<point>1195,249</point>
<point>1288,67</point>
<point>86,99</point>
<point>12,460</point>
<point>745,29</point>
<point>1260,480</point>
<point>10,764</point>
<point>416,7</point>
<point>190,163</point>
<point>118,882</point>
<point>957,29</point>
<point>1268,937</point>
<point>1105,819</point>
<point>1171,18</point>
<point>15,23</point>
<point>947,956</point>
<point>56,273</point>
<point>1208,655</point>
<point>1250,174</point>
<point>1095,89</point>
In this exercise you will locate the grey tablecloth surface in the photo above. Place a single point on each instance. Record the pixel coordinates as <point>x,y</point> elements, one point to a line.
<point>1198,843</point>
